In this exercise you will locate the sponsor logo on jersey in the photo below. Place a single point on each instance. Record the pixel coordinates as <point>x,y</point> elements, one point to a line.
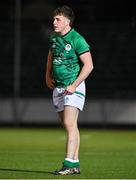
<point>53,45</point>
<point>62,55</point>
<point>57,61</point>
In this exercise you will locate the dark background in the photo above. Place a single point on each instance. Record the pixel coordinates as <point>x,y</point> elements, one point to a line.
<point>108,26</point>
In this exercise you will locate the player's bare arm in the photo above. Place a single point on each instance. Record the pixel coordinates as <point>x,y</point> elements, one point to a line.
<point>86,59</point>
<point>49,78</point>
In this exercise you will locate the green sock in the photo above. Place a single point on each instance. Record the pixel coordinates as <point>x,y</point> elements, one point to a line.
<point>68,163</point>
<point>71,164</point>
<point>76,164</point>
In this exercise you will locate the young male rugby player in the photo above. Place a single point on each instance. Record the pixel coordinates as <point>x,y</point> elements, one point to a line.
<point>69,63</point>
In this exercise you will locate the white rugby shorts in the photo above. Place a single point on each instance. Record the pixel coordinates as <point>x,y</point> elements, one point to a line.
<point>76,99</point>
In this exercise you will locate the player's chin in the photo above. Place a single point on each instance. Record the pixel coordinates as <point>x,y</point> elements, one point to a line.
<point>56,30</point>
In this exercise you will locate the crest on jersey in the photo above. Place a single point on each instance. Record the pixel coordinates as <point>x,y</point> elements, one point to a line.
<point>68,47</point>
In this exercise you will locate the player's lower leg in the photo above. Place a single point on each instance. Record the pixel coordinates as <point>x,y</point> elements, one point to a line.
<point>76,154</point>
<point>71,162</point>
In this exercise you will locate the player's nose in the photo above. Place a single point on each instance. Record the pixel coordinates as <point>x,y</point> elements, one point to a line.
<point>54,22</point>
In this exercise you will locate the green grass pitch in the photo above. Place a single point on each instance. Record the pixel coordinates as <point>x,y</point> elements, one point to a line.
<point>36,153</point>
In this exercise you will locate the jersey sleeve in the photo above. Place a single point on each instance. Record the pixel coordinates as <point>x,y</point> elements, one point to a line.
<point>81,46</point>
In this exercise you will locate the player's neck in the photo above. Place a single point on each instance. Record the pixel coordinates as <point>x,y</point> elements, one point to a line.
<point>65,31</point>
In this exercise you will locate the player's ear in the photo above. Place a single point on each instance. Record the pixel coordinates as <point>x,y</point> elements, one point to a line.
<point>67,22</point>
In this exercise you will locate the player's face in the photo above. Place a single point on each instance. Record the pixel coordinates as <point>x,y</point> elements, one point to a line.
<point>61,24</point>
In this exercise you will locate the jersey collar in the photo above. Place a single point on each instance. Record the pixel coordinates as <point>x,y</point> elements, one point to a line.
<point>68,32</point>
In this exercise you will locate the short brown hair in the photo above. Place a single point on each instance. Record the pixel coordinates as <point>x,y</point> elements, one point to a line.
<point>65,11</point>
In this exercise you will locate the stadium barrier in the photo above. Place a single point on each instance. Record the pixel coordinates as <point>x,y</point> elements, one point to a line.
<point>41,111</point>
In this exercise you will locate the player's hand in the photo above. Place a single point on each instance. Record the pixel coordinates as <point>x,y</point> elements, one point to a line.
<point>70,89</point>
<point>50,83</point>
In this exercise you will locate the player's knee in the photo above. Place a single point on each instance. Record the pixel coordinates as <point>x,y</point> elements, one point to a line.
<point>69,126</point>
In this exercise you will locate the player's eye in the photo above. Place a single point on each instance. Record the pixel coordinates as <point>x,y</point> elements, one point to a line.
<point>57,19</point>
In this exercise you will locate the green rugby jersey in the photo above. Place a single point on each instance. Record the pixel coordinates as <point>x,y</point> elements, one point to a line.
<point>66,51</point>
